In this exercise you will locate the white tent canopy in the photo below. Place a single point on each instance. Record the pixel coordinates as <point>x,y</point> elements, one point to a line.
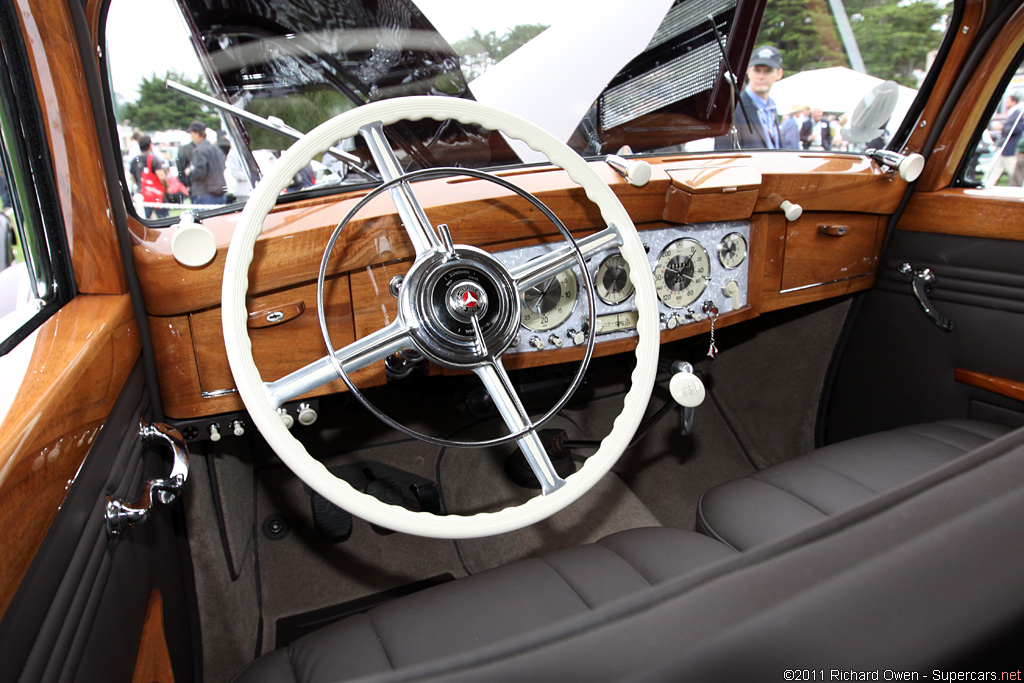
<point>835,90</point>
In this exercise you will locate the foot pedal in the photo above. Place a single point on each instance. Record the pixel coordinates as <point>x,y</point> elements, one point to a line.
<point>330,521</point>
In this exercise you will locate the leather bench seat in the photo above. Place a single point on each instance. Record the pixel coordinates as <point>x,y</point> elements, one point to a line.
<point>473,612</point>
<point>793,495</point>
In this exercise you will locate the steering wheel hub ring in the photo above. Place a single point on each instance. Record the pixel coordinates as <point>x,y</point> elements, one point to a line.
<point>441,295</point>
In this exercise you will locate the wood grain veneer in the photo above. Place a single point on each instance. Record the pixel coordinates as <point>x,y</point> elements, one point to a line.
<point>816,258</point>
<point>999,385</point>
<point>708,191</point>
<point>192,363</point>
<point>811,263</point>
<point>80,359</point>
<point>153,663</point>
<point>71,132</point>
<point>992,213</point>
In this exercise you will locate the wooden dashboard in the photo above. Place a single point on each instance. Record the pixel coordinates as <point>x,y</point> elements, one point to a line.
<point>832,249</point>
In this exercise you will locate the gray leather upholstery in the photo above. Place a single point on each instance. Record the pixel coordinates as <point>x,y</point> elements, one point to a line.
<point>473,612</point>
<point>783,499</point>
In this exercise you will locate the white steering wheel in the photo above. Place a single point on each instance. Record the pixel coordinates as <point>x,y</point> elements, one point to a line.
<point>456,335</point>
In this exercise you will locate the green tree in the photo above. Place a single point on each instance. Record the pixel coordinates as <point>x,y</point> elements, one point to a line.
<point>895,39</point>
<point>805,33</point>
<point>480,51</point>
<point>160,108</point>
<point>302,111</point>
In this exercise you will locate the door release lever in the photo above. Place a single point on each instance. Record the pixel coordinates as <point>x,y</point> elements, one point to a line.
<point>121,515</point>
<point>921,281</point>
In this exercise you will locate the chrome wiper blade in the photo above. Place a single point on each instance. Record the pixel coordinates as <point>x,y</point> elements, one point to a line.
<point>276,125</point>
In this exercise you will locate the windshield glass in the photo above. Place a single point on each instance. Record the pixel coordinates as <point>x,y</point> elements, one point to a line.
<point>604,76</point>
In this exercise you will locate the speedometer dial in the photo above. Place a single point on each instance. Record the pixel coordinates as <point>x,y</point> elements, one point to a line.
<point>612,281</point>
<point>681,273</point>
<point>548,304</point>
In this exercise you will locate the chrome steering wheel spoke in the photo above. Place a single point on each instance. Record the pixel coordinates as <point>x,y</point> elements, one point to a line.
<point>549,265</point>
<point>374,347</point>
<point>506,400</point>
<point>421,233</point>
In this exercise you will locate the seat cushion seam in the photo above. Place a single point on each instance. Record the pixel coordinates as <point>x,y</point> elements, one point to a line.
<point>380,640</point>
<point>566,582</point>
<point>291,664</point>
<point>791,493</point>
<point>841,474</point>
<point>626,560</point>
<point>946,443</point>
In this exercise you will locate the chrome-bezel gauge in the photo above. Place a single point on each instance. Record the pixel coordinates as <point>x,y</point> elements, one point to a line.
<point>612,280</point>
<point>681,272</point>
<point>732,250</point>
<point>548,304</point>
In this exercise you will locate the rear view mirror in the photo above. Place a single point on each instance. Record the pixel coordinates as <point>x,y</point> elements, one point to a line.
<point>873,113</point>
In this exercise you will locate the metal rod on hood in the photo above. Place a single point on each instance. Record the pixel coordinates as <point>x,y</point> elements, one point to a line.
<point>277,126</point>
<point>733,87</point>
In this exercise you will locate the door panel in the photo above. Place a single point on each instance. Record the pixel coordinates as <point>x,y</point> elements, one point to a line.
<point>79,611</point>
<point>899,368</point>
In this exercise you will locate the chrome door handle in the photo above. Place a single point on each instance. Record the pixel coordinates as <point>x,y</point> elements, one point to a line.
<point>120,515</point>
<point>921,282</point>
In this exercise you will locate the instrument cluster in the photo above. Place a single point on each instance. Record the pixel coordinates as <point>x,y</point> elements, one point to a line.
<point>698,270</point>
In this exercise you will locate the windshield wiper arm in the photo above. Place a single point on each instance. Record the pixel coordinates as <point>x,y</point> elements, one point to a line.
<point>277,126</point>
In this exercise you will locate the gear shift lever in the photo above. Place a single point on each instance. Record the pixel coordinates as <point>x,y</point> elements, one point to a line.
<point>688,391</point>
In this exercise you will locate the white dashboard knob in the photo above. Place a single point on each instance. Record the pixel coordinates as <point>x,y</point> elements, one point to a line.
<point>687,390</point>
<point>286,418</point>
<point>193,244</point>
<point>307,415</point>
<point>792,211</point>
<point>214,430</point>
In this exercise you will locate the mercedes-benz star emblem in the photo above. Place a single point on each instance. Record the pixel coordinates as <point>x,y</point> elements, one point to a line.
<point>467,299</point>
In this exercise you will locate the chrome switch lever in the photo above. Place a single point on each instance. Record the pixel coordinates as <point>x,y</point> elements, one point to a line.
<point>120,515</point>
<point>921,281</point>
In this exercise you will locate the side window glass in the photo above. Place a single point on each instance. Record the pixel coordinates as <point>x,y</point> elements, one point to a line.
<point>26,284</point>
<point>998,156</point>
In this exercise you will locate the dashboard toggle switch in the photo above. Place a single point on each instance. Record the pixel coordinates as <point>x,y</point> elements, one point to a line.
<point>732,290</point>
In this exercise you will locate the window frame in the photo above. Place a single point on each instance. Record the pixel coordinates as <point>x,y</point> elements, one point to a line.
<point>31,180</point>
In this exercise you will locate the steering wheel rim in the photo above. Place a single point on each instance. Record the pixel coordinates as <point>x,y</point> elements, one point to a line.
<point>253,391</point>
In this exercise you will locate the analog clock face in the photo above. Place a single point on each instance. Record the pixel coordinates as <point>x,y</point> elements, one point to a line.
<point>732,250</point>
<point>681,273</point>
<point>612,280</point>
<point>548,304</point>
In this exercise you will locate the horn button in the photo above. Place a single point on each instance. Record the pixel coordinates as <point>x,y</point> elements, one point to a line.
<point>441,297</point>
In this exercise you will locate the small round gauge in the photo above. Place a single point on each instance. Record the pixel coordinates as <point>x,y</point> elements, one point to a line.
<point>612,281</point>
<point>732,250</point>
<point>548,304</point>
<point>681,273</point>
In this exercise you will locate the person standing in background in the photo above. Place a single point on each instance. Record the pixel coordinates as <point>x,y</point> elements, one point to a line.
<point>206,171</point>
<point>762,130</point>
<point>1009,137</point>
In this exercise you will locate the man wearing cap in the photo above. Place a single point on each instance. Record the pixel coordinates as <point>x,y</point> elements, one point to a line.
<point>207,169</point>
<point>756,118</point>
